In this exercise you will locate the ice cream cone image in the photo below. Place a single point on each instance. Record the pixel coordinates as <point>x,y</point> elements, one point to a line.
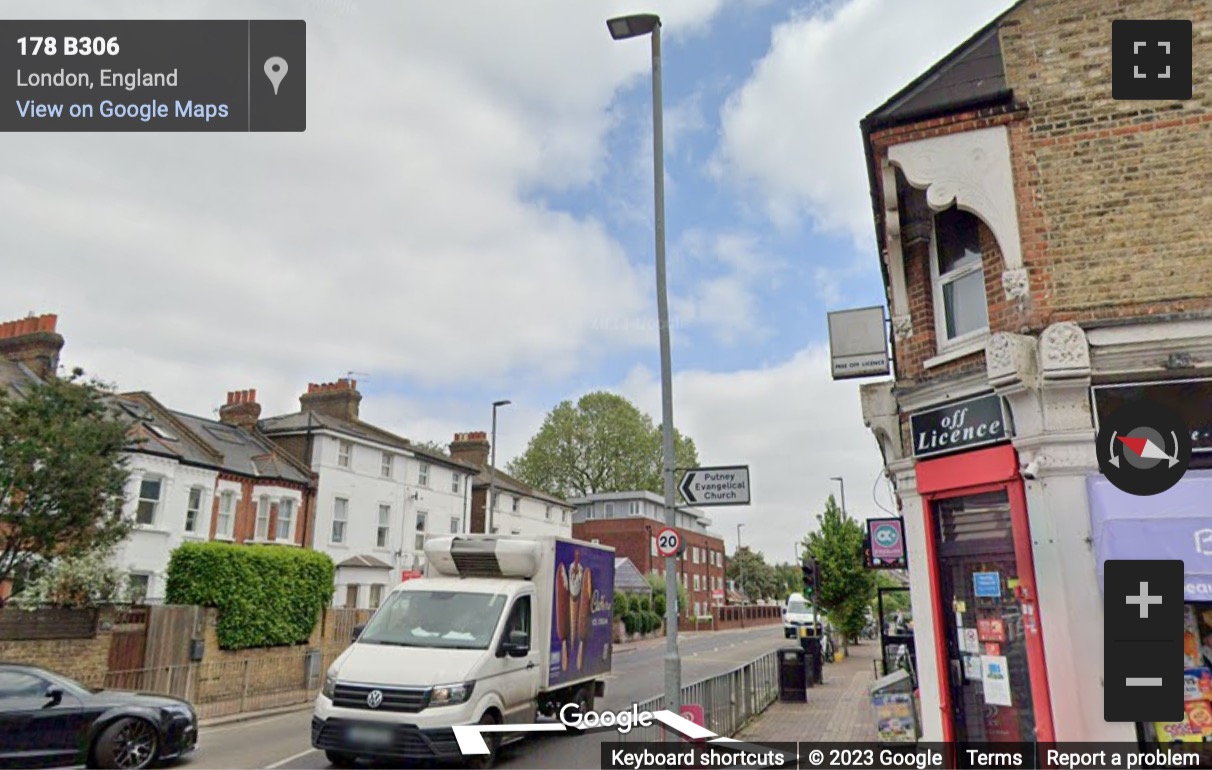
<point>576,585</point>
<point>583,615</point>
<point>561,611</point>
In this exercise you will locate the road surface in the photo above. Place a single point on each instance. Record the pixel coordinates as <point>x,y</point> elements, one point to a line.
<point>284,740</point>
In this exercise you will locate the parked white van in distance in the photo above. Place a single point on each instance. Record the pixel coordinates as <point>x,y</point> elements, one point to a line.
<point>797,614</point>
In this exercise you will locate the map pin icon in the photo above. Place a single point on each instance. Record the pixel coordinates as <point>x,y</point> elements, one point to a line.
<point>275,70</point>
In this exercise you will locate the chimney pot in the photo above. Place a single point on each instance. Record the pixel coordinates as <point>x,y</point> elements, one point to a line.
<point>241,409</point>
<point>34,342</point>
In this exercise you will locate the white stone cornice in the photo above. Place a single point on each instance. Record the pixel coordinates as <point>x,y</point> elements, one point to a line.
<point>893,253</point>
<point>902,327</point>
<point>881,416</point>
<point>972,169</point>
<point>903,474</point>
<point>1010,359</point>
<point>1057,454</point>
<point>934,394</point>
<point>1064,352</point>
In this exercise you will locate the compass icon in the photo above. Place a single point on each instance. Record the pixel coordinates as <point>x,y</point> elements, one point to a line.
<point>1143,448</point>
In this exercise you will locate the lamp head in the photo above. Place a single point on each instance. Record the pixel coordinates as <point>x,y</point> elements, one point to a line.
<point>623,27</point>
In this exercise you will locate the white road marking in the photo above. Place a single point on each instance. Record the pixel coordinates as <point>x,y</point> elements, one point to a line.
<point>288,760</point>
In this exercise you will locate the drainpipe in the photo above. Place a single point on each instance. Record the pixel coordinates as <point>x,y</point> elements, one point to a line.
<point>466,510</point>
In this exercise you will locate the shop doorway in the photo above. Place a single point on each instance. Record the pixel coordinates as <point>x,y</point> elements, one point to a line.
<point>985,639</point>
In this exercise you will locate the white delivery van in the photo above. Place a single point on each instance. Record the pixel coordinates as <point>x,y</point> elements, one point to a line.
<point>499,630</point>
<point>797,614</point>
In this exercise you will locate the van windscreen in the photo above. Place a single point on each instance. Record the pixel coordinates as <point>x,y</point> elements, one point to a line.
<point>439,619</point>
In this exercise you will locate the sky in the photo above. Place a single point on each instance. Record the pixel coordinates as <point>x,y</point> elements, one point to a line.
<point>468,217</point>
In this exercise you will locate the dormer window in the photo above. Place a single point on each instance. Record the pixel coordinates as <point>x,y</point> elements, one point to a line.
<point>961,311</point>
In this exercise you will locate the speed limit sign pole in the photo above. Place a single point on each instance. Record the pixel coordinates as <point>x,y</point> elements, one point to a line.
<point>669,545</point>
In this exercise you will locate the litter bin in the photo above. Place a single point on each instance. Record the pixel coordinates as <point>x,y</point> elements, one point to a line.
<point>811,645</point>
<point>794,675</point>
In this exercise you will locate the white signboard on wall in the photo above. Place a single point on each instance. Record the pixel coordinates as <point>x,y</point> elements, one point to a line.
<point>858,343</point>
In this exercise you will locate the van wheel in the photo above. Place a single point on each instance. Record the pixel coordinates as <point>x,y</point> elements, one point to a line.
<point>585,698</point>
<point>340,759</point>
<point>485,761</point>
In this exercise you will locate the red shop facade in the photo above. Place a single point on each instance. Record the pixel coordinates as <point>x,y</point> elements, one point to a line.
<point>987,648</point>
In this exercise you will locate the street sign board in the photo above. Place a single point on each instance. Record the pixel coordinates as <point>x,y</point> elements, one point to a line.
<point>669,542</point>
<point>887,542</point>
<point>858,342</point>
<point>717,485</point>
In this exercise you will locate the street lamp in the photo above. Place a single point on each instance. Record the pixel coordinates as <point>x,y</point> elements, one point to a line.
<point>842,482</point>
<point>492,468</point>
<point>740,564</point>
<point>623,28</point>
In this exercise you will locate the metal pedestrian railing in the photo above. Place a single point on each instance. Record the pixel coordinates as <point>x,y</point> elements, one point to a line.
<point>728,700</point>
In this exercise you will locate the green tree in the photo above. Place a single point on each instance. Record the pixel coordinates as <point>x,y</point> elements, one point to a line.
<point>789,579</point>
<point>657,582</point>
<point>749,570</point>
<point>893,600</point>
<point>432,446</point>
<point>603,443</point>
<point>846,585</point>
<point>62,473</point>
<point>82,581</point>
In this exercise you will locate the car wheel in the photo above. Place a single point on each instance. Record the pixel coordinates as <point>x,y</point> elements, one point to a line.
<point>340,759</point>
<point>485,761</point>
<point>127,744</point>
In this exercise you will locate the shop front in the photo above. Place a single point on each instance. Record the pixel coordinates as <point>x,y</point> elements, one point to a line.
<point>1176,524</point>
<point>989,656</point>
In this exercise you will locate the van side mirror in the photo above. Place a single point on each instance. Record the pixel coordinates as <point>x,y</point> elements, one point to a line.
<point>357,632</point>
<point>517,645</point>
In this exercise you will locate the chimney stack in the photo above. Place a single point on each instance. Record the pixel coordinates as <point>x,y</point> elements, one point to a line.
<point>34,342</point>
<point>241,409</point>
<point>471,448</point>
<point>338,399</point>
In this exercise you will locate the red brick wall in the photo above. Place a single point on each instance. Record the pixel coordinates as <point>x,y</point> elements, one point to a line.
<point>244,525</point>
<point>1109,194</point>
<point>630,537</point>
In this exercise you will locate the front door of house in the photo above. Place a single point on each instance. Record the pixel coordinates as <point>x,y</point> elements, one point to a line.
<point>983,622</point>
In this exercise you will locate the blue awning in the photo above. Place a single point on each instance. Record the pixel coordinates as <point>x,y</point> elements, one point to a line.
<point>1177,524</point>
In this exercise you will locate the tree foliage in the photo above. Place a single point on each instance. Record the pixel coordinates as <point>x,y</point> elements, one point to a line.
<point>267,595</point>
<point>846,585</point>
<point>432,446</point>
<point>893,600</point>
<point>789,579</point>
<point>749,570</point>
<point>62,473</point>
<point>603,443</point>
<point>88,580</point>
<point>657,582</point>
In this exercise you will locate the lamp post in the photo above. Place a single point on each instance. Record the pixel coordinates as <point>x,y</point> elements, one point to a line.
<point>492,469</point>
<point>841,481</point>
<point>623,28</point>
<point>740,564</point>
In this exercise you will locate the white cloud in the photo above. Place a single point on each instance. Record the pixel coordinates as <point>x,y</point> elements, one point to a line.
<point>793,426</point>
<point>395,236</point>
<point>724,274</point>
<point>791,132</point>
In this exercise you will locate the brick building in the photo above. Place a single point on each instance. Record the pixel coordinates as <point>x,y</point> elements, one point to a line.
<point>518,508</point>
<point>630,521</point>
<point>1046,258</point>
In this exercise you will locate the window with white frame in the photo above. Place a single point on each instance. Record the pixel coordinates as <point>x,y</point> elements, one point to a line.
<point>696,582</point>
<point>455,525</point>
<point>422,522</point>
<point>385,467</point>
<point>548,513</point>
<point>150,490</point>
<point>193,510</point>
<point>496,498</point>
<point>139,584</point>
<point>563,517</point>
<point>517,503</point>
<point>652,549</point>
<point>376,595</point>
<point>384,531</point>
<point>608,509</point>
<point>454,482</point>
<point>961,311</point>
<point>227,513</point>
<point>286,520</point>
<point>423,474</point>
<point>633,508</point>
<point>345,454</point>
<point>262,532</point>
<point>340,520</point>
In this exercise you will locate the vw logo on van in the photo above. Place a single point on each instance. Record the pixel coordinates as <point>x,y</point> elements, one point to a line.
<point>374,699</point>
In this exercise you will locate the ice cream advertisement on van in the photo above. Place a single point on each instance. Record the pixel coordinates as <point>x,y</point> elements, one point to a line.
<point>582,624</point>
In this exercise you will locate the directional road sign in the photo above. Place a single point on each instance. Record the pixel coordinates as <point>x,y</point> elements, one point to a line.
<point>718,485</point>
<point>669,542</point>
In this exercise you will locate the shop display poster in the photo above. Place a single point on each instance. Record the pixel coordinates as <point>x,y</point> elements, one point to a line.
<point>987,585</point>
<point>972,668</point>
<point>991,629</point>
<point>969,642</point>
<point>582,629</point>
<point>894,717</point>
<point>996,676</point>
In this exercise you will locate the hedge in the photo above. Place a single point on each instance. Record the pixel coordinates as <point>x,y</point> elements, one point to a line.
<point>267,595</point>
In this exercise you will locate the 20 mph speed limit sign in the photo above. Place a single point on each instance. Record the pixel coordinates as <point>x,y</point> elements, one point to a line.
<point>669,542</point>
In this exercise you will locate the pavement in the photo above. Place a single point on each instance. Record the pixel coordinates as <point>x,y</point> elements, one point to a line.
<point>837,711</point>
<point>283,740</point>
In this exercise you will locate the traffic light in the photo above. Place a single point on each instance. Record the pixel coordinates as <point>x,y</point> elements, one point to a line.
<point>811,578</point>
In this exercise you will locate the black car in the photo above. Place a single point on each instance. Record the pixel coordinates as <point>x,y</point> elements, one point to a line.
<point>47,720</point>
